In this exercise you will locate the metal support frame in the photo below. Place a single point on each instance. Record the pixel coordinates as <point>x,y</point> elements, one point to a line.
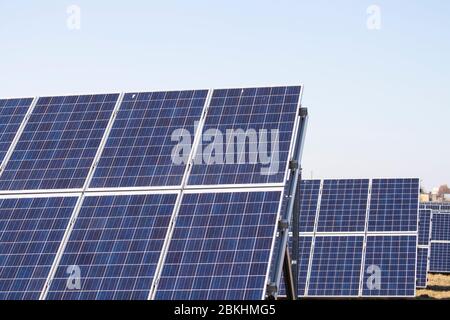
<point>288,275</point>
<point>274,285</point>
<point>295,236</point>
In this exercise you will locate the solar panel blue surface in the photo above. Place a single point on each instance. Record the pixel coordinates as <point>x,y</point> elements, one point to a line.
<point>394,205</point>
<point>30,234</point>
<point>441,227</point>
<point>440,257</point>
<point>309,194</point>
<point>395,259</point>
<point>116,242</point>
<point>139,148</point>
<point>59,143</point>
<point>336,266</point>
<point>343,206</point>
<point>422,267</point>
<point>304,247</point>
<point>262,115</point>
<point>12,113</point>
<point>424,227</point>
<point>221,247</point>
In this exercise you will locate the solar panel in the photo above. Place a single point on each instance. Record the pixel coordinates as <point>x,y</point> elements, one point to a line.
<point>116,242</point>
<point>424,227</point>
<point>12,113</point>
<point>336,266</point>
<point>394,205</point>
<point>139,149</point>
<point>221,247</point>
<point>362,225</point>
<point>309,195</point>
<point>59,143</point>
<point>441,227</point>
<point>390,266</point>
<point>343,206</point>
<point>440,257</point>
<point>31,230</point>
<point>256,125</point>
<point>422,267</point>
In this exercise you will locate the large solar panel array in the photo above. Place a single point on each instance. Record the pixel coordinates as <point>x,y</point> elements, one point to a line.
<point>93,206</point>
<point>364,237</point>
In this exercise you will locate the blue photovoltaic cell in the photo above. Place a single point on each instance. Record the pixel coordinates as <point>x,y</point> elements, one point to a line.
<point>422,263</point>
<point>394,205</point>
<point>394,259</point>
<point>440,257</point>
<point>59,143</point>
<point>424,227</point>
<point>116,242</point>
<point>343,206</point>
<point>12,113</point>
<point>256,125</point>
<point>140,145</point>
<point>31,230</point>
<point>309,194</point>
<point>221,247</point>
<point>336,266</point>
<point>441,227</point>
<point>304,247</point>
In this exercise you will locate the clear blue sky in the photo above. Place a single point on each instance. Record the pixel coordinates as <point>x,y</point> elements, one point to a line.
<point>379,100</point>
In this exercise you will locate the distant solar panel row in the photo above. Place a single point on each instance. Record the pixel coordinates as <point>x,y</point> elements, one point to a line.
<point>360,237</point>
<point>440,242</point>
<point>222,241</point>
<point>343,205</point>
<point>438,206</point>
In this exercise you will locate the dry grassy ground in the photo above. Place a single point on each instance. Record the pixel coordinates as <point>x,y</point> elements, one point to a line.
<point>438,287</point>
